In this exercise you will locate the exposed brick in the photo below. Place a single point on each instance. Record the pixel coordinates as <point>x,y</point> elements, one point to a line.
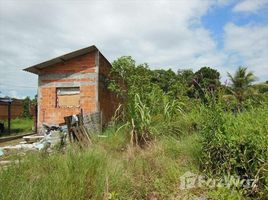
<point>51,114</point>
<point>48,111</point>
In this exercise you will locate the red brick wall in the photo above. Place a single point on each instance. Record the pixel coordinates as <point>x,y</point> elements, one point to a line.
<point>16,110</point>
<point>108,101</point>
<point>78,72</point>
<point>85,63</point>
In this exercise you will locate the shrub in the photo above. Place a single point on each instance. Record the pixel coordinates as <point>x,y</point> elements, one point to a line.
<point>236,144</point>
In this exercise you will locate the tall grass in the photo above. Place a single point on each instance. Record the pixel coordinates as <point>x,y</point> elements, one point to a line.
<point>20,125</point>
<point>237,144</point>
<point>207,137</point>
<point>105,171</point>
<point>141,115</point>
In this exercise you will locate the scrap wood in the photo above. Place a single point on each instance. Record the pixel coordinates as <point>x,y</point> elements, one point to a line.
<point>81,135</point>
<point>10,138</point>
<point>68,120</point>
<point>86,133</point>
<point>81,126</point>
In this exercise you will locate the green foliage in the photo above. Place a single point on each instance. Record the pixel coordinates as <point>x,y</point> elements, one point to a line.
<point>163,103</point>
<point>240,83</point>
<point>261,87</point>
<point>28,104</point>
<point>168,81</point>
<point>165,79</point>
<point>20,125</point>
<point>27,108</point>
<point>171,108</point>
<point>226,193</point>
<point>102,172</point>
<point>144,93</point>
<point>54,177</point>
<point>207,78</point>
<point>186,76</point>
<point>127,79</point>
<point>236,144</point>
<point>140,120</point>
<point>203,81</point>
<point>181,125</point>
<point>165,114</point>
<point>241,78</point>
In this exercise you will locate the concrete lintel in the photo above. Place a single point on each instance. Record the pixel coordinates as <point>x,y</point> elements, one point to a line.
<point>67,75</point>
<point>69,84</point>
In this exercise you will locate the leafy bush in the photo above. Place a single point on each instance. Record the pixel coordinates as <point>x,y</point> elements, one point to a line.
<point>181,124</point>
<point>236,144</point>
<point>140,121</point>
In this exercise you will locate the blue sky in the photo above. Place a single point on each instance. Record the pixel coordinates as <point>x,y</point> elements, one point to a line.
<point>218,16</point>
<point>176,34</point>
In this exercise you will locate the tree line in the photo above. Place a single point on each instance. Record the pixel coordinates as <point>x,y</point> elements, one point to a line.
<point>128,78</point>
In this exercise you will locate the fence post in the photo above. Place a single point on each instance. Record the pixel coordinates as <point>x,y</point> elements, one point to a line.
<point>101,122</point>
<point>9,116</point>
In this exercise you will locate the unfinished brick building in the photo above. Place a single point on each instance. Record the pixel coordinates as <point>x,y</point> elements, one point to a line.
<point>71,82</point>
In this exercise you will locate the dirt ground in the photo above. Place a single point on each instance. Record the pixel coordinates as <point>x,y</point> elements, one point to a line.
<point>12,142</point>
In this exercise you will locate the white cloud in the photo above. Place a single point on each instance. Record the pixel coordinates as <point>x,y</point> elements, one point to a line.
<point>250,5</point>
<point>163,33</point>
<point>249,44</point>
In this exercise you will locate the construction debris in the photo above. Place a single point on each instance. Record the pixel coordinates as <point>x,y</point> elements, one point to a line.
<point>79,129</point>
<point>19,147</point>
<point>81,126</point>
<point>53,137</point>
<point>33,138</point>
<point>80,133</point>
<point>1,152</point>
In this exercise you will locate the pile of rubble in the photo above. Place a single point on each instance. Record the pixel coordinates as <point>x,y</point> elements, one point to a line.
<point>54,135</point>
<point>77,128</point>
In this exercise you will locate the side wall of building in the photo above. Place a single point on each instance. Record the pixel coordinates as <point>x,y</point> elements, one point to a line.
<point>108,100</point>
<point>79,72</point>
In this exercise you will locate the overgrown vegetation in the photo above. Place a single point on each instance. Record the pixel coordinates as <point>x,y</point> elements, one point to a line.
<point>168,124</point>
<point>236,145</point>
<point>109,170</point>
<point>20,125</point>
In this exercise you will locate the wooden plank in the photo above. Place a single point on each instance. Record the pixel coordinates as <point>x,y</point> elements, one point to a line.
<point>79,129</point>
<point>80,137</point>
<point>86,135</point>
<point>69,100</point>
<point>68,123</point>
<point>74,129</point>
<point>9,138</point>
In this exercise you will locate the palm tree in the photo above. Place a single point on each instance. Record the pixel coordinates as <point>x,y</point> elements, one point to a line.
<point>241,82</point>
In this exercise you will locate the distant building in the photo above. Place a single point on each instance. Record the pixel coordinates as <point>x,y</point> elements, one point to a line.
<point>71,82</point>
